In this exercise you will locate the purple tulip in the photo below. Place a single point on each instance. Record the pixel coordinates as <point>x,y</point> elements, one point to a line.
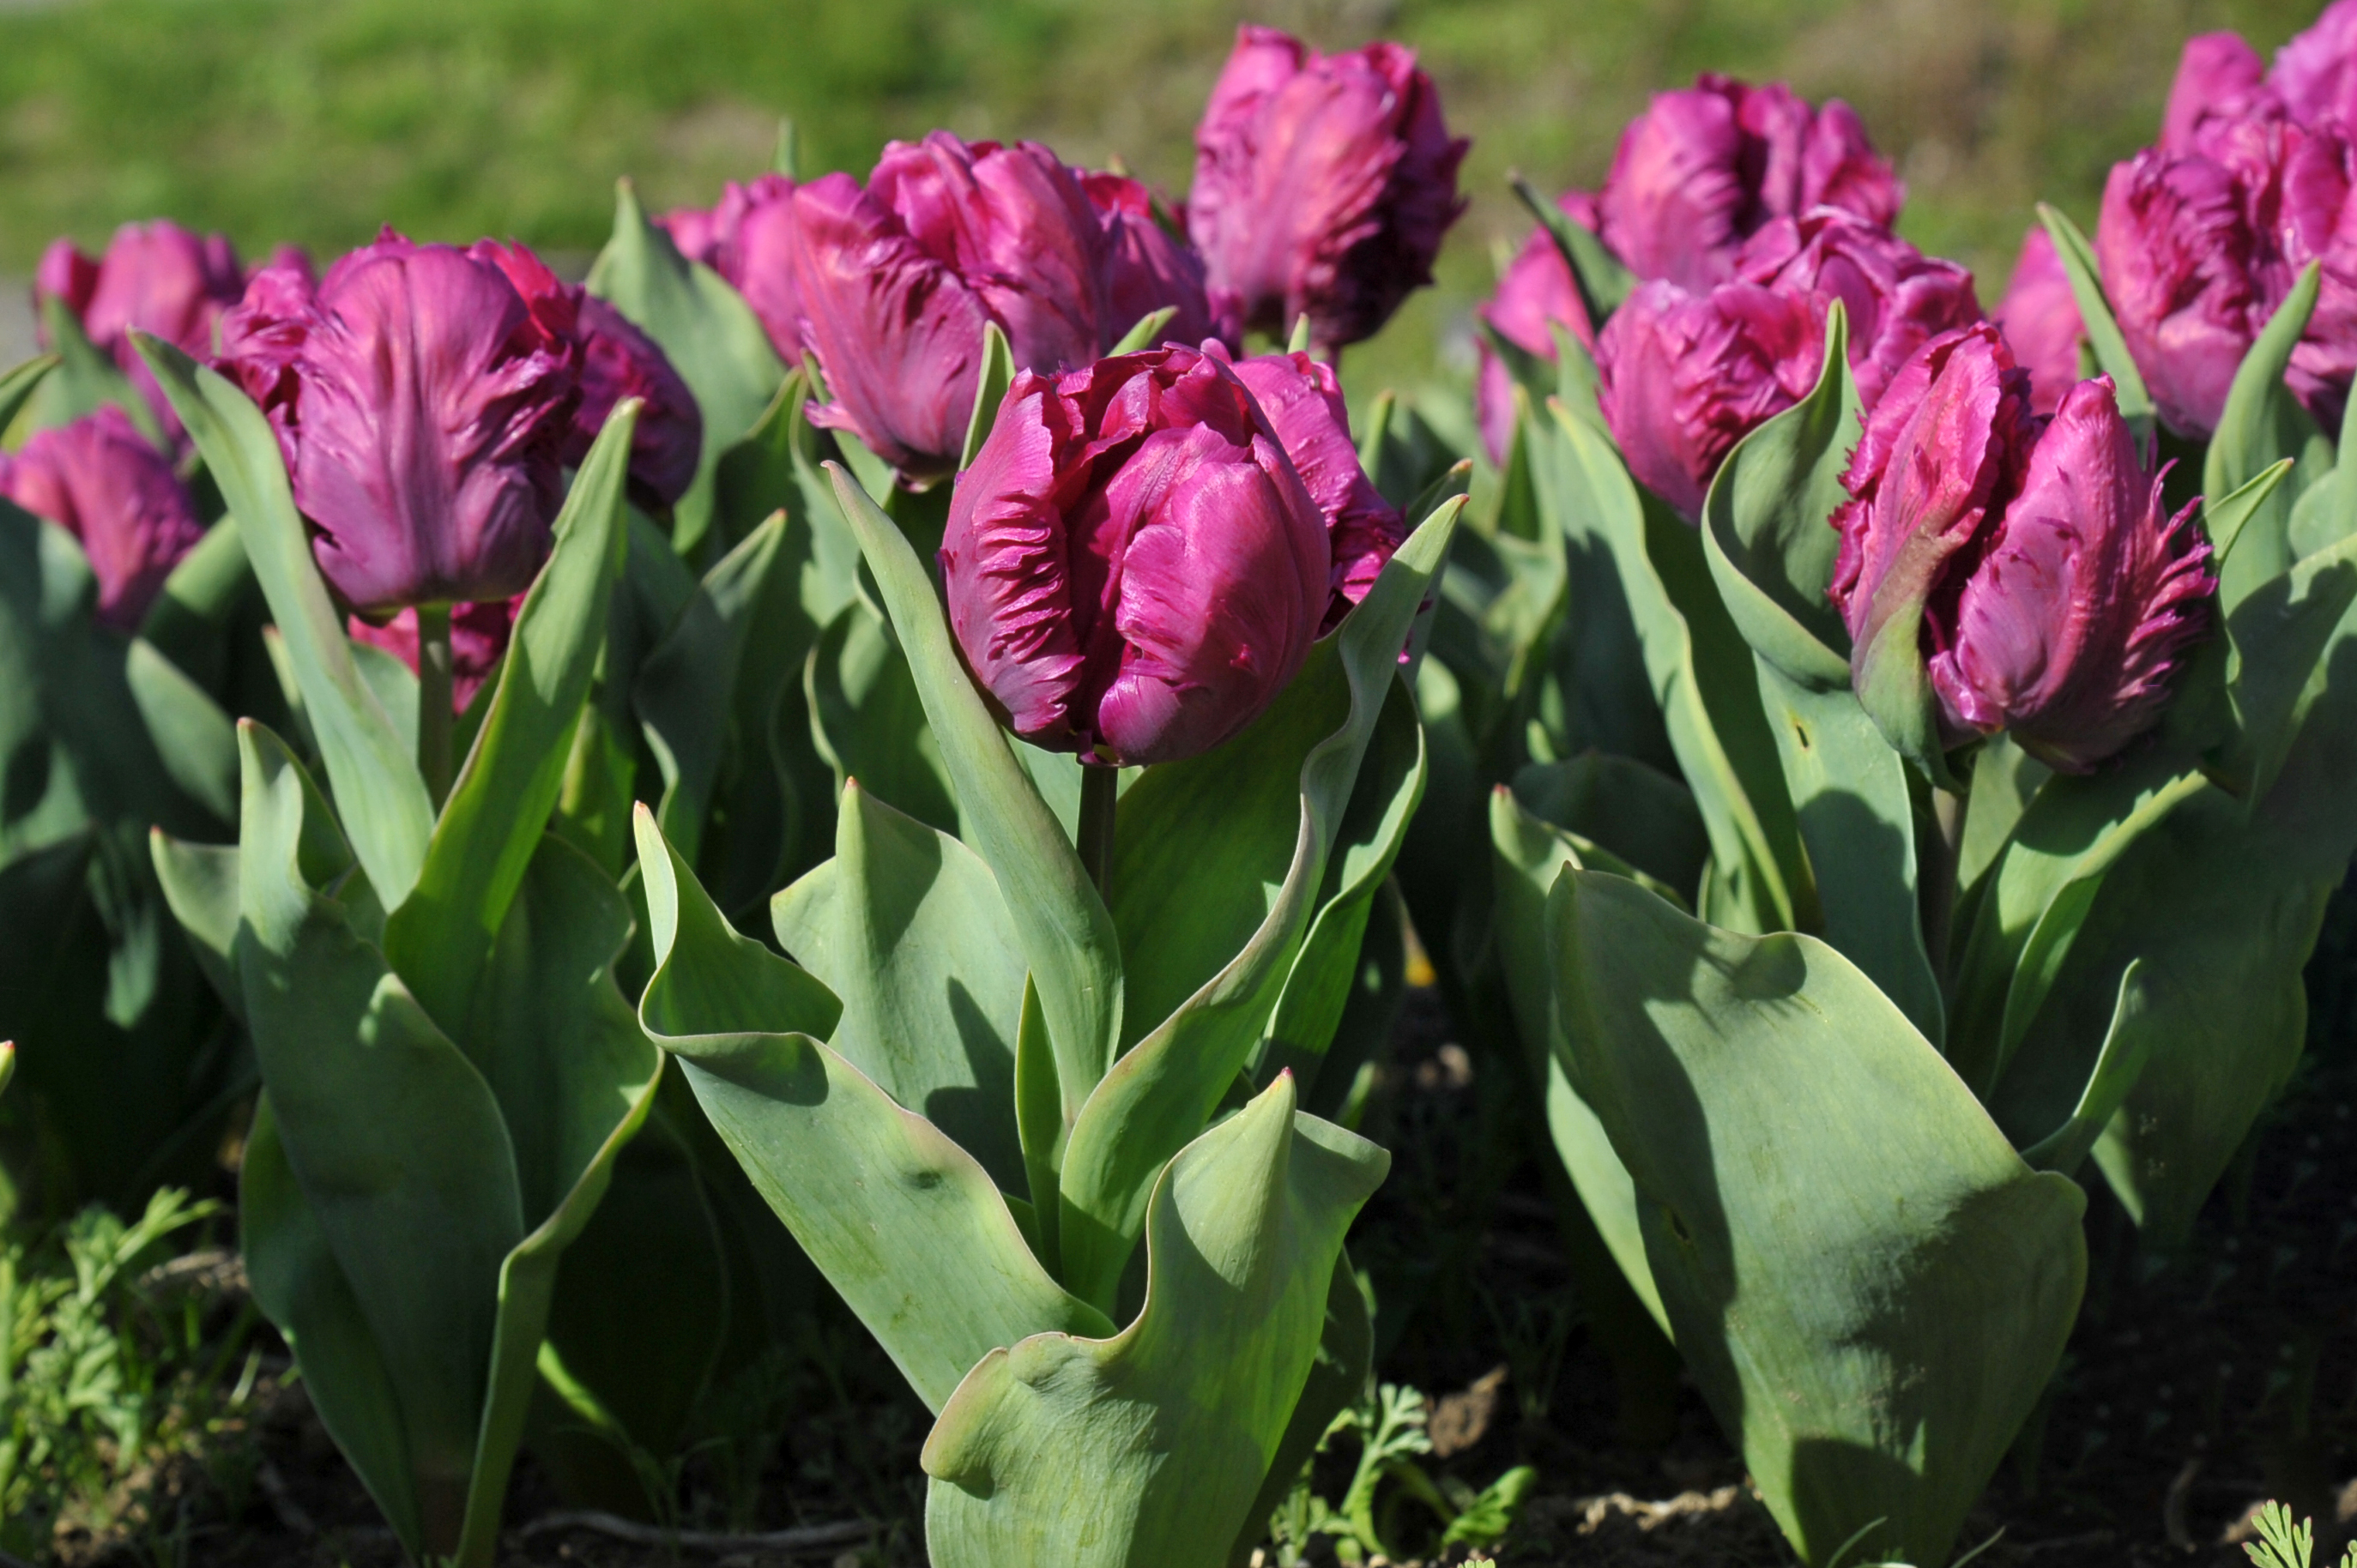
<point>478,636</point>
<point>157,278</point>
<point>1536,294</point>
<point>428,406</point>
<point>1323,184</point>
<point>1897,298</point>
<point>1703,169</point>
<point>744,239</point>
<point>1303,400</point>
<point>896,282</point>
<point>2220,78</point>
<point>2316,72</point>
<point>262,339</point>
<point>617,360</point>
<point>2057,596</point>
<point>100,481</point>
<point>1133,564</point>
<point>2041,319</point>
<point>1148,267</point>
<point>1682,377</point>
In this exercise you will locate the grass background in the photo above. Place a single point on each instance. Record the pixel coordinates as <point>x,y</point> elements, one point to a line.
<point>315,120</point>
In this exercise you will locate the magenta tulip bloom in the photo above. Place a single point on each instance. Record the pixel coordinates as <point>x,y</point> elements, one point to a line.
<point>744,239</point>
<point>1704,169</point>
<point>100,481</point>
<point>478,636</point>
<point>1148,267</point>
<point>2041,322</point>
<point>898,280</point>
<point>2316,73</point>
<point>2057,596</point>
<point>2219,79</point>
<point>617,360</point>
<point>157,278</point>
<point>1536,294</point>
<point>1896,298</point>
<point>1303,400</point>
<point>1323,184</point>
<point>428,405</point>
<point>1133,564</point>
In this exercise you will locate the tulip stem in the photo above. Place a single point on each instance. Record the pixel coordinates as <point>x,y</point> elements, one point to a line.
<point>1099,786</point>
<point>1941,859</point>
<point>433,700</point>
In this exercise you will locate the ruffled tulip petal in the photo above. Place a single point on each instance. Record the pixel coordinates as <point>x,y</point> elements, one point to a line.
<point>101,480</point>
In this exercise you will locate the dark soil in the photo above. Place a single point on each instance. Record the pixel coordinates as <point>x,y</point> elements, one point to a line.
<point>2195,1386</point>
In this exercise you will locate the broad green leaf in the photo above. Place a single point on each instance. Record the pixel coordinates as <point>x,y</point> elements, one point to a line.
<point>393,1137</point>
<point>1635,814</point>
<point>906,927</point>
<point>996,374</point>
<point>1039,1123</point>
<point>2118,1066</point>
<point>1068,938</point>
<point>906,1225</point>
<point>707,331</point>
<point>18,385</point>
<point>1159,1095</point>
<point>2260,425</point>
<point>199,883</point>
<point>441,935</point>
<point>304,1291</point>
<point>2102,329</point>
<point>203,608</point>
<point>1870,1288</point>
<point>378,792</point>
<point>87,378</point>
<point>1337,1381</point>
<point>2038,895</point>
<point>1849,790</point>
<point>2004,779</point>
<point>2276,635</point>
<point>193,738</point>
<point>1603,282</point>
<point>1709,697</point>
<point>2326,511</point>
<point>1767,524</point>
<point>1148,1449</point>
<point>867,720</point>
<point>1531,855</point>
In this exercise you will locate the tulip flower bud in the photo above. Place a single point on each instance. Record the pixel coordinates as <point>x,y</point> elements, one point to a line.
<point>427,404</point>
<point>478,636</point>
<point>744,239</point>
<point>1703,169</point>
<point>1303,400</point>
<point>1133,564</point>
<point>2054,594</point>
<point>157,278</point>
<point>101,481</point>
<point>1535,293</point>
<point>896,282</point>
<point>1682,377</point>
<point>2040,316</point>
<point>1323,184</point>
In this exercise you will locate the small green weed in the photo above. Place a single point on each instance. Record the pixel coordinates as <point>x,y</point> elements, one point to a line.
<point>1390,1427</point>
<point>2283,1544</point>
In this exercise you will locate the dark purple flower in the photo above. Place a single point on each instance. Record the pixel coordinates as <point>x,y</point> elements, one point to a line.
<point>428,405</point>
<point>1303,400</point>
<point>2316,73</point>
<point>1148,267</point>
<point>1134,566</point>
<point>100,481</point>
<point>157,278</point>
<point>2054,593</point>
<point>1705,168</point>
<point>2219,79</point>
<point>1535,293</point>
<point>478,636</point>
<point>745,239</point>
<point>1323,184</point>
<point>1896,298</point>
<point>2041,322</point>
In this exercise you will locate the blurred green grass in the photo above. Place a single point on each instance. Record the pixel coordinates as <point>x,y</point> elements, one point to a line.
<point>315,121</point>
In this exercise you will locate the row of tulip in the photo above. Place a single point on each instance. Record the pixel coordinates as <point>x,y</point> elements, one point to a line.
<point>1812,719</point>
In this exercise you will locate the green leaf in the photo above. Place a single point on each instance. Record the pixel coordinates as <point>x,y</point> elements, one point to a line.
<point>199,883</point>
<point>2260,425</point>
<point>393,1137</point>
<point>1337,1381</point>
<point>87,377</point>
<point>707,331</point>
<point>193,738</point>
<point>1068,938</point>
<point>1039,1123</point>
<point>1144,333</point>
<point>378,792</point>
<point>1767,524</point>
<point>18,385</point>
<point>869,722</point>
<point>2102,329</point>
<point>906,1225</point>
<point>996,374</point>
<point>2276,635</point>
<point>1603,282</point>
<point>1159,1095</point>
<point>304,1291</point>
<point>199,612</point>
<point>2118,1065</point>
<point>906,927</point>
<point>1703,681</point>
<point>1872,1296</point>
<point>1637,814</point>
<point>1149,1447</point>
<point>441,935</point>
